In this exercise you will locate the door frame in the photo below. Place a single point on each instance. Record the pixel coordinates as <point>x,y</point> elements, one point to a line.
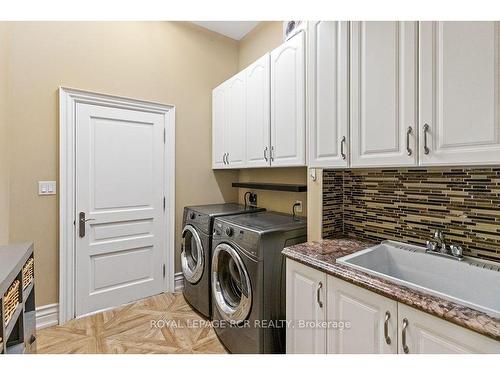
<point>68,99</point>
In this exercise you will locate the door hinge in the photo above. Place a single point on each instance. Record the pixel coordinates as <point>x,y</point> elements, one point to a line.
<point>164,135</point>
<point>164,203</point>
<point>164,271</point>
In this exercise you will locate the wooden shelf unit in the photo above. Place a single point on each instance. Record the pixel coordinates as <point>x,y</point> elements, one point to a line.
<point>19,335</point>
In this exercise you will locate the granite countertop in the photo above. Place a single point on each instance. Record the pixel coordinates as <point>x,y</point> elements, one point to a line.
<point>323,256</point>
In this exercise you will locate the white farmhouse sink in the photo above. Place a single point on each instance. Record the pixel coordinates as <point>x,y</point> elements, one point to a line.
<point>470,282</point>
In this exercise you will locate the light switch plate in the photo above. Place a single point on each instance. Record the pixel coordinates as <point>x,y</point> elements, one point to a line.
<point>46,187</point>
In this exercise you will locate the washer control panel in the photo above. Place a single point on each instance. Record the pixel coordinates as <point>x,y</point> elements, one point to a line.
<point>246,240</point>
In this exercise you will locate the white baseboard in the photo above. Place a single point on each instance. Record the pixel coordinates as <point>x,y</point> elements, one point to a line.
<point>47,316</point>
<point>179,282</point>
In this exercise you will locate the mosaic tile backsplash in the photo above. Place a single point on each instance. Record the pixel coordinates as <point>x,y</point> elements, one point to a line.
<point>407,205</point>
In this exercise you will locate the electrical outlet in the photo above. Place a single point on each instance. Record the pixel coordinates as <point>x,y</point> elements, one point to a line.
<point>298,208</point>
<point>252,199</point>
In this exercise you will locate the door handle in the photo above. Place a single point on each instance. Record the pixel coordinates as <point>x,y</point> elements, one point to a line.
<point>318,298</point>
<point>408,132</point>
<point>386,327</point>
<point>426,149</point>
<point>224,158</point>
<point>403,336</point>
<point>81,224</point>
<point>342,143</point>
<point>265,153</point>
<point>227,158</point>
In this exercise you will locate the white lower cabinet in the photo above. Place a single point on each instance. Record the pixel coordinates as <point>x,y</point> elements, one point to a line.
<point>422,333</point>
<point>305,309</point>
<point>359,321</point>
<point>343,318</point>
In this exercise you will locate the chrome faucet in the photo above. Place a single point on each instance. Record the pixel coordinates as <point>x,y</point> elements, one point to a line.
<point>439,238</point>
<point>439,247</point>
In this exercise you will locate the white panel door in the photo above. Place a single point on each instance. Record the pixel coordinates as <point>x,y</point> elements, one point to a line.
<point>383,93</point>
<point>328,98</point>
<point>119,189</point>
<point>288,128</point>
<point>422,333</point>
<point>372,318</point>
<point>459,93</point>
<point>258,133</point>
<point>235,126</point>
<point>218,126</point>
<point>305,307</point>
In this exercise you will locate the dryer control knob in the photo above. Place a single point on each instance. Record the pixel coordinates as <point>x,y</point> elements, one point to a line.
<point>229,231</point>
<point>192,215</point>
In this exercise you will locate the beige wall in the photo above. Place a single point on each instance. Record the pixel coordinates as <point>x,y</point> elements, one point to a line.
<point>4,154</point>
<point>263,38</point>
<point>168,62</point>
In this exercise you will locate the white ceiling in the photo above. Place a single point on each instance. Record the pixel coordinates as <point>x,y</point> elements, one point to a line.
<point>233,29</point>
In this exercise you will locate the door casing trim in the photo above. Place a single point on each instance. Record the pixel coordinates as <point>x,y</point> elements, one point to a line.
<point>68,99</point>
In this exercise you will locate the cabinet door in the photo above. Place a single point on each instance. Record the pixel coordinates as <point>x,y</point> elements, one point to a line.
<point>328,98</point>
<point>234,132</point>
<point>459,93</point>
<point>258,131</point>
<point>427,334</point>
<point>383,93</point>
<point>288,103</point>
<point>305,304</point>
<point>218,126</point>
<point>372,319</point>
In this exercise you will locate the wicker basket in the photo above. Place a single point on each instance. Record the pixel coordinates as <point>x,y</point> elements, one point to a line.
<point>28,273</point>
<point>11,301</point>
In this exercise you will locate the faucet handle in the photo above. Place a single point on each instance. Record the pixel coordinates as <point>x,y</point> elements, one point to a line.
<point>456,251</point>
<point>431,246</point>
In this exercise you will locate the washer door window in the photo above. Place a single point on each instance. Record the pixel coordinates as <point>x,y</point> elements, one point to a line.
<point>192,255</point>
<point>230,284</point>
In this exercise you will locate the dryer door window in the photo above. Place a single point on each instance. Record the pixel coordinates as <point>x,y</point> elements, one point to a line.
<point>230,284</point>
<point>192,255</point>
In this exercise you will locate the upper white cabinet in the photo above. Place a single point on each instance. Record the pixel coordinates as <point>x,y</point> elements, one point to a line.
<point>288,125</point>
<point>459,93</point>
<point>258,133</point>
<point>229,123</point>
<point>328,93</point>
<point>218,126</point>
<point>305,303</point>
<point>234,133</point>
<point>383,93</point>
<point>258,116</point>
<point>379,94</point>
<point>372,318</point>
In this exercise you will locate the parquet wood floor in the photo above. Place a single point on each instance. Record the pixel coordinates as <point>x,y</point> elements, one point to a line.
<point>129,329</point>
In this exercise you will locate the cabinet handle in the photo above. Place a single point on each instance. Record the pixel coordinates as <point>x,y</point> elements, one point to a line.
<point>318,299</point>
<point>227,158</point>
<point>386,327</point>
<point>224,158</point>
<point>408,132</point>
<point>426,149</point>
<point>403,336</point>
<point>272,153</point>
<point>265,153</point>
<point>342,143</point>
